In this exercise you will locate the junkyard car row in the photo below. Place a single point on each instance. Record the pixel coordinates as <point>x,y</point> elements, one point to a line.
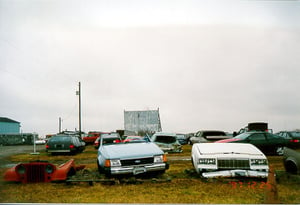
<point>239,156</point>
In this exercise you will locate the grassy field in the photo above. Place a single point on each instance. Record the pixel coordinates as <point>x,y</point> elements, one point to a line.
<point>185,185</point>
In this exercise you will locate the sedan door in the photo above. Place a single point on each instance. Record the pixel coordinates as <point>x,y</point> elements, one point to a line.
<point>276,143</point>
<point>259,140</point>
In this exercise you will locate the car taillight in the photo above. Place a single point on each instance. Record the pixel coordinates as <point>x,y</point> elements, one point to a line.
<point>72,146</point>
<point>293,140</point>
<point>47,146</point>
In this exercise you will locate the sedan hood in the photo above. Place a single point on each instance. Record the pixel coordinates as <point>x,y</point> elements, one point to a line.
<point>227,148</point>
<point>131,150</point>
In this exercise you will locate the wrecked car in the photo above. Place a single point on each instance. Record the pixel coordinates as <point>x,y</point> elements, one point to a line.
<point>204,136</point>
<point>91,137</point>
<point>229,160</point>
<point>182,138</point>
<point>133,157</point>
<point>291,161</point>
<point>167,142</point>
<point>41,171</point>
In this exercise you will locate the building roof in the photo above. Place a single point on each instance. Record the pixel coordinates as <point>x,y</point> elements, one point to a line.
<point>5,119</point>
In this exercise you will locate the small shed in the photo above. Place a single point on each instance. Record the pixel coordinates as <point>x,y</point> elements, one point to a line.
<point>147,121</point>
<point>9,126</point>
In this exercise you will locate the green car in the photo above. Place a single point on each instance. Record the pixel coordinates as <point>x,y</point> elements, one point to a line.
<point>65,144</point>
<point>267,142</point>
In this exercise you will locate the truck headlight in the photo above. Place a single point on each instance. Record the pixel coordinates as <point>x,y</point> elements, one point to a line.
<point>158,159</point>
<point>21,169</point>
<point>115,163</point>
<point>207,161</point>
<point>258,162</point>
<point>49,169</point>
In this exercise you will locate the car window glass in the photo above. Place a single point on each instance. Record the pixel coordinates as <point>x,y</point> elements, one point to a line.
<point>60,139</point>
<point>285,135</point>
<point>295,134</point>
<point>257,137</point>
<point>243,135</point>
<point>213,133</point>
<point>165,139</point>
<point>76,139</point>
<point>109,141</point>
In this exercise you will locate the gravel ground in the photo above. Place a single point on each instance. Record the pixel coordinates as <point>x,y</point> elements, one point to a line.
<point>6,151</point>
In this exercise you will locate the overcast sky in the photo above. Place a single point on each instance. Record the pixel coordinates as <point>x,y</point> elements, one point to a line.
<point>204,64</point>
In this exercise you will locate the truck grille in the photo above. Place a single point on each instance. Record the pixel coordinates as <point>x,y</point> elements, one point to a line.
<point>35,173</point>
<point>130,162</point>
<point>233,164</point>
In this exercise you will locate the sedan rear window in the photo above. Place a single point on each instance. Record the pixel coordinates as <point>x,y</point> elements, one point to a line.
<point>213,133</point>
<point>60,138</point>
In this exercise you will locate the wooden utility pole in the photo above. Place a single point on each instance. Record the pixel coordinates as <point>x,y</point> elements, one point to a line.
<point>79,100</point>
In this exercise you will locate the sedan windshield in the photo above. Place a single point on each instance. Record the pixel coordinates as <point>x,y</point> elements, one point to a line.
<point>111,140</point>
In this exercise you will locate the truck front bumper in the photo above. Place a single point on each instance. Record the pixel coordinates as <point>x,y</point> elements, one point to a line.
<point>135,170</point>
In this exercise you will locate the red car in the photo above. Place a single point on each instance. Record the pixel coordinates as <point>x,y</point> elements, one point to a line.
<point>91,137</point>
<point>41,171</point>
<point>131,138</point>
<point>97,141</point>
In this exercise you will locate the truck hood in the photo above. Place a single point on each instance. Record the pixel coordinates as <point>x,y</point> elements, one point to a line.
<point>130,150</point>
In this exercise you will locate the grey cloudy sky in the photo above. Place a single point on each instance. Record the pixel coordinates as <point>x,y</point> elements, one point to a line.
<point>204,64</point>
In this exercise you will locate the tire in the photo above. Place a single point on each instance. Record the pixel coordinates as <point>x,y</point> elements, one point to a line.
<point>99,167</point>
<point>291,167</point>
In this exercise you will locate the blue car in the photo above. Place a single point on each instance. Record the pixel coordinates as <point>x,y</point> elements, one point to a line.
<point>134,157</point>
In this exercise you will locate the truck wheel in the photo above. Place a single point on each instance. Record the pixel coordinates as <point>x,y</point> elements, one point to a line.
<point>99,167</point>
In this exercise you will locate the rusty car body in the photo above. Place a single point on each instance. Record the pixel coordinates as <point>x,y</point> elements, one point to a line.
<point>167,142</point>
<point>41,171</point>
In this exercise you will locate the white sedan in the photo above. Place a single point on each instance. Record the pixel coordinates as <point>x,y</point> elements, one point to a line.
<point>229,160</point>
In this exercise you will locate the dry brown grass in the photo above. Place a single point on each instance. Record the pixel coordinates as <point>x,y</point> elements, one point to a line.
<point>185,187</point>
